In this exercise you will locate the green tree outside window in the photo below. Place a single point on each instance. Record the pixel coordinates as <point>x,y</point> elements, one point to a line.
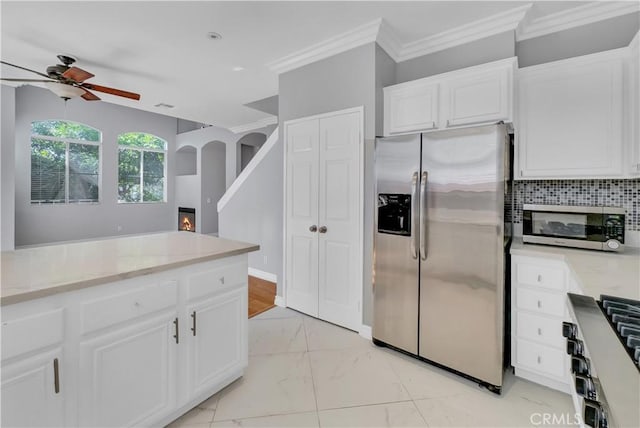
<point>65,162</point>
<point>141,168</point>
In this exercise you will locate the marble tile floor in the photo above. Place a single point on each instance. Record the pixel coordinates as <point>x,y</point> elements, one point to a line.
<point>308,373</point>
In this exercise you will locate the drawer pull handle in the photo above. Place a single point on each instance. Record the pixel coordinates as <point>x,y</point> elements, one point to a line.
<point>539,278</point>
<point>193,316</point>
<point>539,359</point>
<point>56,376</point>
<point>539,304</point>
<point>539,332</point>
<point>177,335</point>
<point>222,280</point>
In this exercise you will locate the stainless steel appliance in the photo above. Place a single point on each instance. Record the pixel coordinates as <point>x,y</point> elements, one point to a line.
<point>440,248</point>
<point>595,228</point>
<point>603,343</point>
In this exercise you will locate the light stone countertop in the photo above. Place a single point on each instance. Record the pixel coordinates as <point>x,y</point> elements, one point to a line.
<point>597,272</point>
<point>36,272</point>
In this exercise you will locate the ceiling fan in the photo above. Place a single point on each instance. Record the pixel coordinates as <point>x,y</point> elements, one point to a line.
<point>68,81</point>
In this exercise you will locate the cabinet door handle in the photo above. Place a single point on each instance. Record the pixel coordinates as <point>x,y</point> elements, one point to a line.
<point>539,304</point>
<point>56,376</point>
<point>539,359</point>
<point>433,125</point>
<point>539,332</point>
<point>323,229</point>
<point>177,335</point>
<point>193,317</point>
<point>313,228</point>
<point>222,280</point>
<point>448,123</point>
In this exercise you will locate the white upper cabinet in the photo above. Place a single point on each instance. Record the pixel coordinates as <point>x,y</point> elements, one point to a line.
<point>570,118</point>
<point>474,95</point>
<point>480,95</point>
<point>410,107</point>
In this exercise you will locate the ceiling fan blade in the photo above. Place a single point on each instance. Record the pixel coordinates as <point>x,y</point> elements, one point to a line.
<point>24,68</point>
<point>111,91</point>
<point>77,74</point>
<point>90,96</point>
<point>25,80</point>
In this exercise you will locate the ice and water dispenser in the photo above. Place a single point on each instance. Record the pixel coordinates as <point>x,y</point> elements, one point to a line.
<point>394,214</point>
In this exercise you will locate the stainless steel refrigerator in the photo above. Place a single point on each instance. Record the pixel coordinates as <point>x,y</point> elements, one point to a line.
<point>439,278</point>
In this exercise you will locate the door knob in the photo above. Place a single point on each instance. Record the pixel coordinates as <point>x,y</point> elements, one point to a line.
<point>323,229</point>
<point>313,228</point>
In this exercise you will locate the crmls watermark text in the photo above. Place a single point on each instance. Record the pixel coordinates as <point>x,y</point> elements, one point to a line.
<point>556,419</point>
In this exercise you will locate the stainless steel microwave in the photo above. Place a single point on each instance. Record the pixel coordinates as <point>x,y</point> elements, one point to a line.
<point>595,228</point>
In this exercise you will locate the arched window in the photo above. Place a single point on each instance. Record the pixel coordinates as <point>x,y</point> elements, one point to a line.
<point>141,168</point>
<point>65,162</point>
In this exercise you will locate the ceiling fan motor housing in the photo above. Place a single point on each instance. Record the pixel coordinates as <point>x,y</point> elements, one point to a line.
<point>55,71</point>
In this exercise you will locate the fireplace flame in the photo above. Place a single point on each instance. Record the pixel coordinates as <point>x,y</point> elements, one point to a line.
<point>186,224</point>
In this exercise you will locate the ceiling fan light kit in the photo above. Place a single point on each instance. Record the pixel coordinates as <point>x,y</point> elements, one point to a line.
<point>64,91</point>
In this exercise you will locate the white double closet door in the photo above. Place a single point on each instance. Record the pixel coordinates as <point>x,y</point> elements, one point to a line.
<point>323,203</point>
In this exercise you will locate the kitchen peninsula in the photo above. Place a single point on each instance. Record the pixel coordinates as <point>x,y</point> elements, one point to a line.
<point>123,331</point>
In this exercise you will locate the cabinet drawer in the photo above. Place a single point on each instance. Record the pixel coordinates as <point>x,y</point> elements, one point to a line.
<point>104,312</point>
<point>216,279</point>
<point>541,329</point>
<point>552,277</point>
<point>540,301</point>
<point>22,335</point>
<point>543,359</point>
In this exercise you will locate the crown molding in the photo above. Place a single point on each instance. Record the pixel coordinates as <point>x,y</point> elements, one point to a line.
<point>575,17</point>
<point>359,36</point>
<point>272,120</point>
<point>485,27</point>
<point>389,41</point>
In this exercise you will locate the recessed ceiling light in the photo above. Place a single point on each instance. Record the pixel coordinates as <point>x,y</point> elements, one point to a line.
<point>238,68</point>
<point>213,35</point>
<point>164,105</point>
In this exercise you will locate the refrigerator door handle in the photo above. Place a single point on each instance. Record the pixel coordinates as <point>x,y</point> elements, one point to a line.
<point>423,216</point>
<point>414,217</point>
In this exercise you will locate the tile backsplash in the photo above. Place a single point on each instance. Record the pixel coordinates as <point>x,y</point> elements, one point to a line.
<point>611,193</point>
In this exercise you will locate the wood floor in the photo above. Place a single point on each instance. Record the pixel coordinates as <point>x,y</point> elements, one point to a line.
<point>261,295</point>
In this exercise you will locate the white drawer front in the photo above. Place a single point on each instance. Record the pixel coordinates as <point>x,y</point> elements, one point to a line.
<point>539,358</point>
<point>540,329</point>
<point>217,279</point>
<point>552,277</point>
<point>541,302</point>
<point>32,332</point>
<point>104,312</point>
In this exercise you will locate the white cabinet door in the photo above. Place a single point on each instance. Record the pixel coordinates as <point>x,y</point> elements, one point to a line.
<point>128,376</point>
<point>480,97</point>
<point>217,338</point>
<point>411,106</point>
<point>571,118</point>
<point>302,216</point>
<point>33,391</point>
<point>339,187</point>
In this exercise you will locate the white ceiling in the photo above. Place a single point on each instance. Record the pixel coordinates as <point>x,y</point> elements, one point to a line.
<point>161,50</point>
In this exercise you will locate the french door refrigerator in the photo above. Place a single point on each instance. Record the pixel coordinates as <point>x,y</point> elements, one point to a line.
<point>439,269</point>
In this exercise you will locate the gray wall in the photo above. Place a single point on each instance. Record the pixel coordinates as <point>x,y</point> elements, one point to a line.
<point>339,82</point>
<point>213,184</point>
<point>187,161</point>
<point>481,51</point>
<point>600,36</point>
<point>254,214</point>
<point>7,167</point>
<point>37,224</point>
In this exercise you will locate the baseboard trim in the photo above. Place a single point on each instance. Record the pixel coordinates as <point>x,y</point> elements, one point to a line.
<point>365,331</point>
<point>279,301</point>
<point>263,275</point>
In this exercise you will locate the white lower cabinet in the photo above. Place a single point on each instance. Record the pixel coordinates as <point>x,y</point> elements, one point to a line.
<point>538,307</point>
<point>217,339</point>
<point>136,352</point>
<point>128,376</point>
<point>32,395</point>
